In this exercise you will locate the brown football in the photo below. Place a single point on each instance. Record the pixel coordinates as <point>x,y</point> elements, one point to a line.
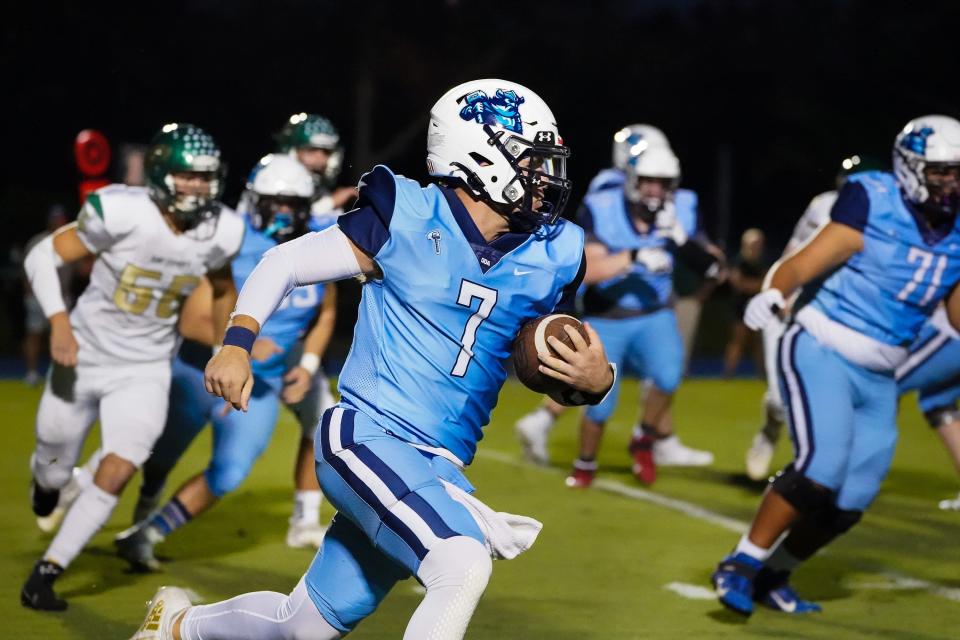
<point>533,339</point>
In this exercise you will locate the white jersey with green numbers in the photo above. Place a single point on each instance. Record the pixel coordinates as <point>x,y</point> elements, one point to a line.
<point>143,271</point>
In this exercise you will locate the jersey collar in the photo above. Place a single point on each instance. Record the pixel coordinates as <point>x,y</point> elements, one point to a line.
<point>488,254</point>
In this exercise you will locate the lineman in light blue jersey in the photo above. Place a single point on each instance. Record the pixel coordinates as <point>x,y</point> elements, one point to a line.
<point>285,364</point>
<point>891,252</point>
<point>454,270</point>
<point>607,199</point>
<point>933,371</point>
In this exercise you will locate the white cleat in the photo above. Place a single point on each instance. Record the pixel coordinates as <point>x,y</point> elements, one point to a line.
<point>305,535</point>
<point>759,456</point>
<point>670,452</point>
<point>50,523</point>
<point>532,430</point>
<point>162,611</point>
<point>951,505</point>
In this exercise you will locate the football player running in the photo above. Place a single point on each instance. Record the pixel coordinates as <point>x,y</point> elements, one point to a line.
<point>453,271</point>
<point>315,142</point>
<point>891,254</point>
<point>814,217</point>
<point>111,355</point>
<point>675,211</point>
<point>286,359</point>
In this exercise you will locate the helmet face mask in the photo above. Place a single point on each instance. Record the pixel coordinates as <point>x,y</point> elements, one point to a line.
<point>926,163</point>
<point>184,174</point>
<point>498,141</point>
<point>280,191</point>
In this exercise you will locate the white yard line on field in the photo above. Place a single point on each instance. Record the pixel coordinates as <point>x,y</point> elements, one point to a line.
<point>691,591</point>
<point>896,580</point>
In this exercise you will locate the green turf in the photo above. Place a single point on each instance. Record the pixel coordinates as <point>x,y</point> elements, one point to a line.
<point>599,569</point>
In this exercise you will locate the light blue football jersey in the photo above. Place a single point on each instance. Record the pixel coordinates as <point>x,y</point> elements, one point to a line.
<point>685,200</point>
<point>888,290</point>
<point>295,313</point>
<point>609,178</point>
<point>649,284</point>
<point>428,352</point>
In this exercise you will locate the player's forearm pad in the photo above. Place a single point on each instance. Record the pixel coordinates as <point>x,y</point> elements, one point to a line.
<point>325,256</point>
<point>41,268</point>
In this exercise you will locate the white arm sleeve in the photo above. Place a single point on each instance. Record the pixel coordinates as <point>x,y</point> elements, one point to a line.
<point>323,256</point>
<point>41,267</point>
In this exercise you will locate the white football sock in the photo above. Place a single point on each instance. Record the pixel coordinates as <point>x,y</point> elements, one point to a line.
<point>262,615</point>
<point>306,507</point>
<point>455,572</point>
<point>90,512</point>
<point>752,550</point>
<point>84,475</point>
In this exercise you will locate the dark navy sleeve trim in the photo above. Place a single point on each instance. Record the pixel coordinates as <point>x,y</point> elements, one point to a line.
<point>852,206</point>
<point>368,226</point>
<point>569,295</point>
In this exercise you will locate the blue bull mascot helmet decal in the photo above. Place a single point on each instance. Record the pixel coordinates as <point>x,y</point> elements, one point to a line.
<point>916,141</point>
<point>502,109</point>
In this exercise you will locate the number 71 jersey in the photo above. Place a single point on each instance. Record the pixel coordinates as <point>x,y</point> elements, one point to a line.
<point>427,360</point>
<point>143,271</point>
<point>888,290</point>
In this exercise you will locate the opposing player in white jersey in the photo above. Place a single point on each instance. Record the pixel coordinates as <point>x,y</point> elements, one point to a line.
<point>817,214</point>
<point>112,354</point>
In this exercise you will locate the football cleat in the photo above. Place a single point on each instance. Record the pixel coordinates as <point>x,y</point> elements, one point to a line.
<point>135,545</point>
<point>43,501</point>
<point>670,452</point>
<point>771,589</point>
<point>952,504</point>
<point>644,467</point>
<point>50,523</point>
<point>162,611</point>
<point>582,475</point>
<point>532,430</point>
<point>733,582</point>
<point>37,592</point>
<point>305,535</point>
<point>759,456</point>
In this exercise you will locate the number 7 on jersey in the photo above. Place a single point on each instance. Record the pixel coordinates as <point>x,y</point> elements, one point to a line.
<point>488,300</point>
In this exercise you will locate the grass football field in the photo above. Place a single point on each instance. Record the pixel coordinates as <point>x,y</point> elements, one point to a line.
<point>615,561</point>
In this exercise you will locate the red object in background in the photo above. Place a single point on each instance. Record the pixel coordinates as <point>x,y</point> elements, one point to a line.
<point>91,150</point>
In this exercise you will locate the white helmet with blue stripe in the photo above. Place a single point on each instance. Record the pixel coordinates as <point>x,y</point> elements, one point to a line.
<point>634,139</point>
<point>279,192</point>
<point>926,163</point>
<point>499,141</point>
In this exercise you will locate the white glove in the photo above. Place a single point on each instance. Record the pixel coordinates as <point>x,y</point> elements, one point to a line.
<point>667,226</point>
<point>654,260</point>
<point>762,308</point>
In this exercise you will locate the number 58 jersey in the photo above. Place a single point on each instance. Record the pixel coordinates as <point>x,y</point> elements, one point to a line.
<point>427,360</point>
<point>143,271</point>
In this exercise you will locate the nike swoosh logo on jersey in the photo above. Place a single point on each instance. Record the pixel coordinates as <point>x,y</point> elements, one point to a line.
<point>517,272</point>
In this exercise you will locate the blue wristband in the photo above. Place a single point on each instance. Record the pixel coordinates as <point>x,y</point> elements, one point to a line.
<point>239,337</point>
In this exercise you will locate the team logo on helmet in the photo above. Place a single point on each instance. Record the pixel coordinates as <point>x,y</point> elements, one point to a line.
<point>916,141</point>
<point>502,109</point>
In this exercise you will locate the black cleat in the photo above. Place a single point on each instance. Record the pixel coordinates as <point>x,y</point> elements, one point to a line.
<point>43,501</point>
<point>37,592</point>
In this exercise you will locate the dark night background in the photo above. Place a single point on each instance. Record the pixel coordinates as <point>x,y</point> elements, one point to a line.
<point>770,94</point>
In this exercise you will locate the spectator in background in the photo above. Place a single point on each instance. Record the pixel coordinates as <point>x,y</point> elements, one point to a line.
<point>35,322</point>
<point>746,280</point>
<point>692,290</point>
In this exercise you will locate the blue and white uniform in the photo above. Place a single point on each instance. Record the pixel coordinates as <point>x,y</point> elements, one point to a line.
<point>240,437</point>
<point>422,376</point>
<point>632,311</point>
<point>837,361</point>
<point>933,366</point>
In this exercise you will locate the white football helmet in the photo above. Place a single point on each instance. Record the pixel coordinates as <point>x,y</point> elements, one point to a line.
<point>279,192</point>
<point>929,142</point>
<point>633,140</point>
<point>655,162</point>
<point>499,141</point>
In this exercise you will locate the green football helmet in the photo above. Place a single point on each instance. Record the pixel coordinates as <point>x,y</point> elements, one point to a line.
<point>313,131</point>
<point>180,147</point>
